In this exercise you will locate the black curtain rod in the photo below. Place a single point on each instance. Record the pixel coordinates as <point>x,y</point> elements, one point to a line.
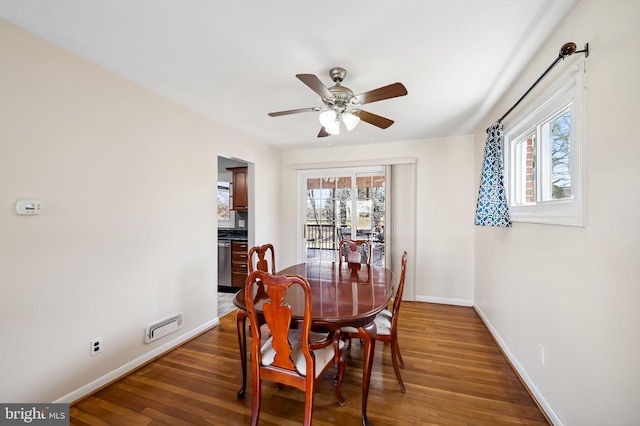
<point>567,49</point>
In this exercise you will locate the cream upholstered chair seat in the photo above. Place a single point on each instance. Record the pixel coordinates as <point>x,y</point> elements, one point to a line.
<point>323,356</point>
<point>383,324</point>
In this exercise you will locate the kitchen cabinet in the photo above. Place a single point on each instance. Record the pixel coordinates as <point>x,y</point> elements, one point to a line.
<point>240,188</point>
<point>239,263</point>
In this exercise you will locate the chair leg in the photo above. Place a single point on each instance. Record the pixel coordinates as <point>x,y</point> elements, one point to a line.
<point>308,405</point>
<point>401,361</point>
<point>341,366</point>
<point>255,405</point>
<point>394,359</point>
<point>241,319</point>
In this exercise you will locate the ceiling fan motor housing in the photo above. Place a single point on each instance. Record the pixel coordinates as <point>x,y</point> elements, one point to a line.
<point>341,98</point>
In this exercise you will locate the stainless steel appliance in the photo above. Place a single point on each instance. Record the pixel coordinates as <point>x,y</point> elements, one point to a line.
<point>224,264</point>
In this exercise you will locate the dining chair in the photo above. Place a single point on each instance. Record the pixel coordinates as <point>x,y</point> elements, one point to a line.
<point>354,251</point>
<point>258,260</point>
<point>387,325</point>
<point>294,357</point>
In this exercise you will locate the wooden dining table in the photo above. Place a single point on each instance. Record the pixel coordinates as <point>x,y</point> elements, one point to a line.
<point>350,295</point>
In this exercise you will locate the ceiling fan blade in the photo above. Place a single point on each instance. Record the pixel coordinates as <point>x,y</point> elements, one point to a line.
<point>391,91</point>
<point>293,111</point>
<point>374,119</point>
<point>323,133</point>
<point>315,84</point>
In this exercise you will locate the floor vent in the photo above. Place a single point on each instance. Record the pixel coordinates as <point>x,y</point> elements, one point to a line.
<point>162,328</point>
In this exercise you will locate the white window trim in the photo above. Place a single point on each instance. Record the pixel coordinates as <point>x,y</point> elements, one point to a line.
<point>569,88</point>
<point>228,223</point>
<point>231,222</point>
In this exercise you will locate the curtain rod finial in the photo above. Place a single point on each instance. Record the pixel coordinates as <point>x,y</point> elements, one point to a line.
<point>567,49</point>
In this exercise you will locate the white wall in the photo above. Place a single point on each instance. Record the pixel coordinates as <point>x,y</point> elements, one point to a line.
<point>445,206</point>
<point>576,290</point>
<point>128,231</point>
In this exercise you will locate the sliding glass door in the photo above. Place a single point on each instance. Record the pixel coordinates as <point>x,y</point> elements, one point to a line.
<point>343,203</point>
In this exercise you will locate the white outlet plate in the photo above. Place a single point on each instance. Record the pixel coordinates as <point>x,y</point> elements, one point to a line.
<point>96,346</point>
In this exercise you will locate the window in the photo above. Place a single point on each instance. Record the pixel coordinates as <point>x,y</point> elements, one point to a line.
<point>226,216</point>
<point>542,156</point>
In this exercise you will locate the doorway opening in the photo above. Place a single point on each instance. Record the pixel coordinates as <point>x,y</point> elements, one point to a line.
<point>233,216</point>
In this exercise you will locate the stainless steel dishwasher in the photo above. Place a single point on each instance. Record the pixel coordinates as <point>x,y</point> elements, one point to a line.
<point>224,263</point>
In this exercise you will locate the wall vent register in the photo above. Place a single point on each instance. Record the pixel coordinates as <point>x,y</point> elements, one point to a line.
<point>162,328</point>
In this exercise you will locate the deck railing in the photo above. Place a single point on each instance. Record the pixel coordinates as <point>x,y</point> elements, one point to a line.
<point>321,237</point>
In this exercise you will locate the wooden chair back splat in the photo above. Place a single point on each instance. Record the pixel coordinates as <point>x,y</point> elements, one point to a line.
<point>261,263</point>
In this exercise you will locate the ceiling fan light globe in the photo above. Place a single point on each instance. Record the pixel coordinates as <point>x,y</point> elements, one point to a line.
<point>327,118</point>
<point>350,120</point>
<point>333,128</point>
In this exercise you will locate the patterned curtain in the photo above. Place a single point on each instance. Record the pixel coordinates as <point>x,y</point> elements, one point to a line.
<point>492,208</point>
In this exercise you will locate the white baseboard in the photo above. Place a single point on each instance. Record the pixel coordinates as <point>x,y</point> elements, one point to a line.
<point>544,404</point>
<point>445,301</point>
<point>132,365</point>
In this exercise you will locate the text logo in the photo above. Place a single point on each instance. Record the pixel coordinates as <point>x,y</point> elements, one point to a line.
<point>34,414</point>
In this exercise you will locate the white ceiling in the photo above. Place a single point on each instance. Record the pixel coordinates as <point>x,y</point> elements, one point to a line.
<point>235,61</point>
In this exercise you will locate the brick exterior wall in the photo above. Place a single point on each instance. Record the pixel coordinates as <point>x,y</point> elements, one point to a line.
<point>530,193</point>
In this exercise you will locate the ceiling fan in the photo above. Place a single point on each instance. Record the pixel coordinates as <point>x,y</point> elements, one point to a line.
<point>341,105</point>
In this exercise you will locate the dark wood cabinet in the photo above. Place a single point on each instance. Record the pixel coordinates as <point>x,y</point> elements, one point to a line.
<point>239,263</point>
<point>240,188</point>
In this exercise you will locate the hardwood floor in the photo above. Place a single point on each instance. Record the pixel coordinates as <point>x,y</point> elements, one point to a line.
<point>455,375</point>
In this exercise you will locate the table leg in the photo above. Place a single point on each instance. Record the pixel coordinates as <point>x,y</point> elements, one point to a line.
<point>241,319</point>
<point>368,334</point>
